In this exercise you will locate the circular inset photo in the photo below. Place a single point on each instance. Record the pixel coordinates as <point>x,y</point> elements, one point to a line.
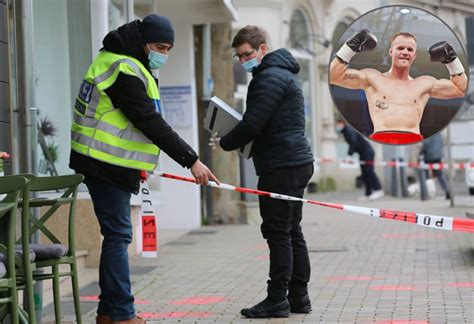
<point>397,74</point>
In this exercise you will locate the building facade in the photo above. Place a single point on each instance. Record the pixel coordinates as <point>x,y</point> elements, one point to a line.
<point>47,45</point>
<point>309,28</point>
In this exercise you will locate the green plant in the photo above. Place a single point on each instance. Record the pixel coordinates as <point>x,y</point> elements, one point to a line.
<point>46,132</point>
<point>47,127</point>
<point>53,150</point>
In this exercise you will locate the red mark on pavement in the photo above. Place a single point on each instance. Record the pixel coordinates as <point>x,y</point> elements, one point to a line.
<point>198,301</point>
<point>89,298</point>
<point>461,284</point>
<point>141,302</point>
<point>350,278</point>
<point>392,287</point>
<point>176,315</point>
<point>263,257</point>
<point>96,299</point>
<point>401,322</point>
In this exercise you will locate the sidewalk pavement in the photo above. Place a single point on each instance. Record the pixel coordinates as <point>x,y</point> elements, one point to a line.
<point>364,270</point>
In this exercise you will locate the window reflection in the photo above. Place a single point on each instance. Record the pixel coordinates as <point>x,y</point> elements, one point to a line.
<point>117,13</point>
<point>302,50</point>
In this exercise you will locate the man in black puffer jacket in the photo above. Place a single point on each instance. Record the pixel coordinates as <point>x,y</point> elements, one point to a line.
<point>275,121</point>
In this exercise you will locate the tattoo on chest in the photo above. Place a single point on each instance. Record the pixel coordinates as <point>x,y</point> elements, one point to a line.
<point>381,105</point>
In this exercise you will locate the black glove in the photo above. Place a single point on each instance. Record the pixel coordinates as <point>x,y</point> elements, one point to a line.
<point>361,41</point>
<point>444,52</point>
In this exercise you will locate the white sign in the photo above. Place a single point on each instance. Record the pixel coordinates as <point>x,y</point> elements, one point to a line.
<point>177,105</point>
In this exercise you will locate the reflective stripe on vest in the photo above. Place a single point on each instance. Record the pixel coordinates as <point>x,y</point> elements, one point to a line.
<point>102,131</point>
<point>114,150</point>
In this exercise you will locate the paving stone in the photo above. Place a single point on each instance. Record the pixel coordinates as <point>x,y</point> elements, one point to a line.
<point>415,268</point>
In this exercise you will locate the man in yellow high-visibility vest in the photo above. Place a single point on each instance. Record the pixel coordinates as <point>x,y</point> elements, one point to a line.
<point>117,131</point>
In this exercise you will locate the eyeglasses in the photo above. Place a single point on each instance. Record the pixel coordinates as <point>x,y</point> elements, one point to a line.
<point>245,56</point>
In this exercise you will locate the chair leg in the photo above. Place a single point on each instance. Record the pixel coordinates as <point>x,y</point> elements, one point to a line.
<point>30,293</point>
<point>24,317</point>
<point>75,291</point>
<point>14,305</point>
<point>56,295</point>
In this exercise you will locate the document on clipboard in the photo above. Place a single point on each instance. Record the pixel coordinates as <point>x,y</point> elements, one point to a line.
<point>221,118</point>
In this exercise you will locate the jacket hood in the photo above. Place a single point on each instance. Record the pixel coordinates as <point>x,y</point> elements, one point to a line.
<point>126,40</point>
<point>280,58</point>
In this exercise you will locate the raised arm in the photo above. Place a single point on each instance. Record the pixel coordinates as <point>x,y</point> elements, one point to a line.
<point>449,89</point>
<point>339,73</point>
<point>444,53</point>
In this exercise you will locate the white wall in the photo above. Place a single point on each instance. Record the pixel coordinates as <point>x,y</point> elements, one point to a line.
<point>180,204</point>
<point>52,73</point>
<point>266,14</point>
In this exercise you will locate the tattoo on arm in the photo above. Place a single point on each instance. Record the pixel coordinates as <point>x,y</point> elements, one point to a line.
<point>351,76</point>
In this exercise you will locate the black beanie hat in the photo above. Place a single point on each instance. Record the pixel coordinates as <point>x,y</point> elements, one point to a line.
<point>156,29</point>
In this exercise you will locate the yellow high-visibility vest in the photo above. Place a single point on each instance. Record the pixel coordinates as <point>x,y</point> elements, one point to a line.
<point>102,131</point>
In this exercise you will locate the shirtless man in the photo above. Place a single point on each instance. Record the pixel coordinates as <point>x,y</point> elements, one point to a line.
<point>396,100</point>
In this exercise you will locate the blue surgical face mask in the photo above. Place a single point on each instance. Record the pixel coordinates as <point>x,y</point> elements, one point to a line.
<point>156,59</point>
<point>250,64</point>
<point>339,129</point>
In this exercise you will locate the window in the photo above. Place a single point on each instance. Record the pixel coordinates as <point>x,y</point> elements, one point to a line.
<point>301,48</point>
<point>117,13</point>
<point>59,66</point>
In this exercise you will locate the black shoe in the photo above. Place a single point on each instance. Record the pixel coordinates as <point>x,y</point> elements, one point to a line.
<point>300,305</point>
<point>267,308</point>
<point>448,196</point>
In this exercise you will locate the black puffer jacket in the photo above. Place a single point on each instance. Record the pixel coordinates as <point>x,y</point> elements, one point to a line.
<point>129,93</point>
<point>275,118</point>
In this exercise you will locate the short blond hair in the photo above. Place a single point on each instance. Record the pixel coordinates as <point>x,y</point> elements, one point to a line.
<point>404,34</point>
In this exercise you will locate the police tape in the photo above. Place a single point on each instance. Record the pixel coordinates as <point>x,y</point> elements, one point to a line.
<point>432,221</point>
<point>147,234</point>
<point>345,163</point>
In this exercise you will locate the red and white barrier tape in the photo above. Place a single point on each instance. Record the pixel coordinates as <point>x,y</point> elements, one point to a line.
<point>416,165</point>
<point>433,221</point>
<point>147,235</point>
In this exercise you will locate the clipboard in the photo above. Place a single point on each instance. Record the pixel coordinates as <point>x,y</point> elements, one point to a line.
<point>222,118</point>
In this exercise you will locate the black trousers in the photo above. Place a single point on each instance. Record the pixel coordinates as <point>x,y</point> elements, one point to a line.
<point>370,179</point>
<point>439,175</point>
<point>289,260</point>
